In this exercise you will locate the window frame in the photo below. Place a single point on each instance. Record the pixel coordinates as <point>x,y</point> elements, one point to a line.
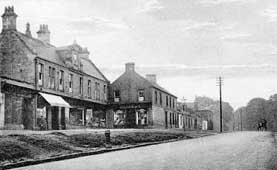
<point>70,82</point>
<point>89,88</point>
<point>141,98</point>
<point>81,84</point>
<point>116,95</point>
<point>40,74</point>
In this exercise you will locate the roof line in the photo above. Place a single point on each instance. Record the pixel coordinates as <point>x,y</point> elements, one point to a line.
<point>96,68</point>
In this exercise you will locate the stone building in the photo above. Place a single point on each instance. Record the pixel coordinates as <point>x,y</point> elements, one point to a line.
<point>188,118</point>
<point>44,86</point>
<point>138,101</point>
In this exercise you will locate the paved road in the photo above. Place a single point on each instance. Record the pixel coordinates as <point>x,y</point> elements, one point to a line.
<point>230,151</point>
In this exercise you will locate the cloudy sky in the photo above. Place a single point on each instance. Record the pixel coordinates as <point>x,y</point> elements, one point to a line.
<point>187,43</point>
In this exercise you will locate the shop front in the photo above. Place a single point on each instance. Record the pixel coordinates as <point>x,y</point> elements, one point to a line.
<point>52,112</point>
<point>127,117</point>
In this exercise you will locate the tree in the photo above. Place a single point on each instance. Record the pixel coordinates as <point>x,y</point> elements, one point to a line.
<point>207,103</point>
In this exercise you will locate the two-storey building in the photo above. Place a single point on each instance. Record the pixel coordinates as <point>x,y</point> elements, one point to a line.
<point>47,87</point>
<point>138,101</point>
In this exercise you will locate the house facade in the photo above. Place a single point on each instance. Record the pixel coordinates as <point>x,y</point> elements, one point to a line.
<point>138,101</point>
<point>44,86</point>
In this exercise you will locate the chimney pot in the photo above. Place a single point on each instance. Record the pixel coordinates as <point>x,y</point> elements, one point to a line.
<point>44,33</point>
<point>130,67</point>
<point>9,19</point>
<point>28,31</point>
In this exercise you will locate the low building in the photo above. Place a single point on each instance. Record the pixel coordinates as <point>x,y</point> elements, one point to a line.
<point>44,86</point>
<point>138,101</point>
<point>188,120</point>
<point>206,119</point>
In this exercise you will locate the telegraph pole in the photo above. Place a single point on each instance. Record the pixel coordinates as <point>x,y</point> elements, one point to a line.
<point>240,120</point>
<point>220,83</point>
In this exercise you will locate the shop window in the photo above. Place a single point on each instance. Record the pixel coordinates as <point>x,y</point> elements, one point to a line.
<point>116,96</point>
<point>70,83</point>
<point>141,117</point>
<point>76,117</point>
<point>40,74</point>
<point>119,118</point>
<point>141,95</point>
<point>97,119</point>
<point>61,80</point>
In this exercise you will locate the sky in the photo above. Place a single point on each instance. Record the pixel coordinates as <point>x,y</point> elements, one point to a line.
<point>187,43</point>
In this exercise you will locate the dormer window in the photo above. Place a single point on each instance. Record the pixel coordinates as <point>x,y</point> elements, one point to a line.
<point>75,59</point>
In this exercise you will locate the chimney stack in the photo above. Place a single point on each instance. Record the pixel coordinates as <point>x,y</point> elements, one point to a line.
<point>28,31</point>
<point>130,67</point>
<point>9,19</point>
<point>151,77</point>
<point>44,33</point>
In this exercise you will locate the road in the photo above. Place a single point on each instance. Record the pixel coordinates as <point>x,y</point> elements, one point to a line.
<point>228,151</point>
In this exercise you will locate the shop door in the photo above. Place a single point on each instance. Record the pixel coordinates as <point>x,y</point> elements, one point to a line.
<point>63,118</point>
<point>55,118</point>
<point>131,118</point>
<point>27,114</point>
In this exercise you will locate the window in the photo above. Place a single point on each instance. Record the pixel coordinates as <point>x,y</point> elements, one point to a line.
<point>81,86</point>
<point>105,92</point>
<point>40,74</point>
<point>97,91</point>
<point>61,80</point>
<point>170,102</point>
<point>156,97</point>
<point>70,83</point>
<point>89,88</point>
<point>161,99</point>
<point>167,101</point>
<point>75,59</point>
<point>52,77</point>
<point>116,96</point>
<point>173,103</point>
<point>170,118</point>
<point>140,95</point>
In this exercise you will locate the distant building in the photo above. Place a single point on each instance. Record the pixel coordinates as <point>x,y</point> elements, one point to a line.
<point>187,117</point>
<point>138,101</point>
<point>47,87</point>
<point>206,119</point>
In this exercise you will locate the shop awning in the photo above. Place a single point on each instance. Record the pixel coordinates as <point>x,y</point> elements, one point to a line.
<point>54,100</point>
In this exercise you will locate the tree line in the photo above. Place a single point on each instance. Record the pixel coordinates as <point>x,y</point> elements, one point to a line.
<point>247,117</point>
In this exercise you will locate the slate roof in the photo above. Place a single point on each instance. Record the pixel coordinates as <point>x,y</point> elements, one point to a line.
<point>135,75</point>
<point>49,52</point>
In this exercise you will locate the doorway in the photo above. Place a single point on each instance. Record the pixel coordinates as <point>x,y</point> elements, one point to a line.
<point>55,117</point>
<point>27,114</point>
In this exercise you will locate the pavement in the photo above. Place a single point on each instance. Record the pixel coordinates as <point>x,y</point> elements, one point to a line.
<point>228,151</point>
<point>89,130</point>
